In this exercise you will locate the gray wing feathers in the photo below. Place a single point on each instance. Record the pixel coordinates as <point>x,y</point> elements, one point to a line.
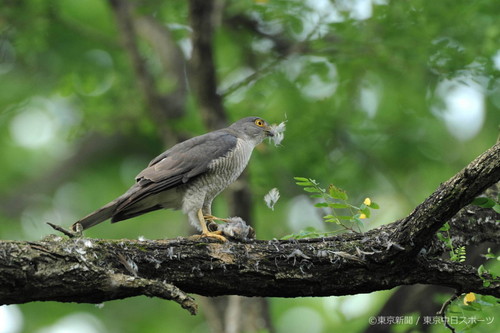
<point>174,167</point>
<point>188,159</point>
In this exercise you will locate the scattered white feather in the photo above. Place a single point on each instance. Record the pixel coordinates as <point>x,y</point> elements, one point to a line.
<point>79,250</point>
<point>279,133</point>
<point>141,238</point>
<point>133,266</point>
<point>272,197</point>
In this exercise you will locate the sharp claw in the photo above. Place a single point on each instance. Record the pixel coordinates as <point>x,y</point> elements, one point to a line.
<point>217,235</point>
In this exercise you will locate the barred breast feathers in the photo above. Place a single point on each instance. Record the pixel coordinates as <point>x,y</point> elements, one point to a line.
<point>234,162</point>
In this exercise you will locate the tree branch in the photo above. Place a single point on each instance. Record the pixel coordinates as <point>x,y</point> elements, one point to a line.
<point>93,270</point>
<point>415,230</point>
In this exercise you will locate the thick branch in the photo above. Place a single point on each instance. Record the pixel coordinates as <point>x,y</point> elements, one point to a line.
<point>472,225</point>
<point>414,231</point>
<point>93,271</point>
<point>85,270</point>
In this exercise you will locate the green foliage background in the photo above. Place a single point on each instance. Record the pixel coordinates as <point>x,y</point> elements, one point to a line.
<point>364,94</point>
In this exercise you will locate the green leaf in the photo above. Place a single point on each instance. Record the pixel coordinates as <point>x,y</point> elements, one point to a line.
<point>490,256</point>
<point>488,300</point>
<point>440,237</point>
<point>445,227</point>
<point>312,190</point>
<point>304,183</point>
<point>302,179</point>
<point>496,208</point>
<point>481,270</point>
<point>472,306</point>
<point>374,205</point>
<point>337,193</point>
<point>308,232</point>
<point>366,211</point>
<point>331,219</point>
<point>322,204</point>
<point>338,205</point>
<point>484,202</point>
<point>345,217</point>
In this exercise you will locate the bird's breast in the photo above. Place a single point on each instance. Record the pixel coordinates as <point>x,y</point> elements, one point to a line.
<point>228,167</point>
<point>221,173</point>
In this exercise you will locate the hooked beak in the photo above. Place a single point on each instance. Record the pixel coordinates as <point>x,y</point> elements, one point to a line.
<point>269,131</point>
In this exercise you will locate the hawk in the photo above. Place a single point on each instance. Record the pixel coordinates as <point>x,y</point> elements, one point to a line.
<point>188,176</point>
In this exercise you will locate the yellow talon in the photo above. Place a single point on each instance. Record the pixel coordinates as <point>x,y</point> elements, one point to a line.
<point>214,218</point>
<point>217,235</point>
<point>205,232</point>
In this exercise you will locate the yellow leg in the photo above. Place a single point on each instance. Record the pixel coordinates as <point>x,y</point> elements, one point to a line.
<point>205,232</point>
<point>214,218</point>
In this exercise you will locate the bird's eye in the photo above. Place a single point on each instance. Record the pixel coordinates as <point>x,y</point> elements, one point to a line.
<point>259,122</point>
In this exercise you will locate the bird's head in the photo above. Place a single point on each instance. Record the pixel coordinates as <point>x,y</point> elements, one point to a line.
<point>253,128</point>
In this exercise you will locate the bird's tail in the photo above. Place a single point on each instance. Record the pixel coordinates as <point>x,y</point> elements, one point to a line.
<point>100,215</point>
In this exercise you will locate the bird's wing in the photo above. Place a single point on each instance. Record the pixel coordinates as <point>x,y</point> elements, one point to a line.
<point>180,164</point>
<point>189,158</point>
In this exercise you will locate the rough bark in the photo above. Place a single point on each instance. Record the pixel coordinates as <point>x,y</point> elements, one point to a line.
<point>93,270</point>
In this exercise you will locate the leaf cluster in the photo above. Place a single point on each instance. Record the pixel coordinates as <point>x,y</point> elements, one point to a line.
<point>338,209</point>
<point>485,202</point>
<point>471,310</point>
<point>482,271</point>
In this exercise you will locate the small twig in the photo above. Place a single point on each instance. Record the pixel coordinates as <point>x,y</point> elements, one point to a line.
<point>252,77</point>
<point>154,288</point>
<point>262,71</point>
<point>442,311</point>
<point>69,233</point>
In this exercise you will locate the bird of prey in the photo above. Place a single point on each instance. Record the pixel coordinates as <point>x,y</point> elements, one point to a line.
<point>188,176</point>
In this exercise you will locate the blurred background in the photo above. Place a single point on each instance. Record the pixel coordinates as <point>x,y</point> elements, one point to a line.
<point>385,99</point>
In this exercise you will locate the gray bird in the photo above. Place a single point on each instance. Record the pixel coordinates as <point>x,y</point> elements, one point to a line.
<point>188,176</point>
